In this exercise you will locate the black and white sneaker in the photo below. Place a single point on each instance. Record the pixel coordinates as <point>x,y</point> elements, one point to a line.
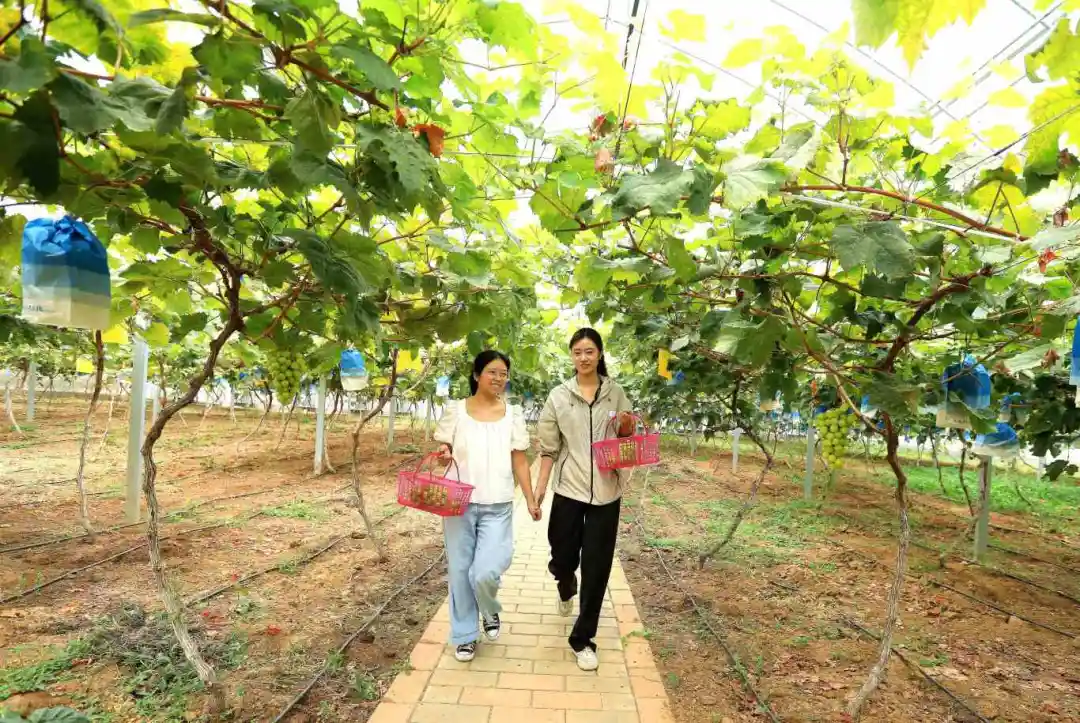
<point>492,627</point>
<point>465,652</point>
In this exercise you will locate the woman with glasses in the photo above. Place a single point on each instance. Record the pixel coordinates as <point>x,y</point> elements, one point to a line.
<point>487,440</point>
<point>585,508</point>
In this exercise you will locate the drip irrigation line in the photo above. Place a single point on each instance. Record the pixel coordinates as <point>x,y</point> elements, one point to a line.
<point>1044,561</point>
<point>348,641</point>
<point>733,659</point>
<point>945,586</point>
<point>110,558</point>
<point>932,581</point>
<point>1008,550</point>
<point>270,568</point>
<point>989,568</point>
<point>39,443</point>
<point>115,528</point>
<point>907,661</point>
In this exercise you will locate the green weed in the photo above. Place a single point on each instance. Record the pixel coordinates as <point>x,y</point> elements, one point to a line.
<point>42,674</point>
<point>933,662</point>
<point>365,687</point>
<point>298,510</point>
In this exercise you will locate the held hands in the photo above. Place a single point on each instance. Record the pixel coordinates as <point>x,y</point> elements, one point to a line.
<point>626,424</point>
<point>537,503</point>
<point>444,454</point>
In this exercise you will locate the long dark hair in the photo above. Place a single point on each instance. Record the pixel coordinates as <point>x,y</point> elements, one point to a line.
<point>594,336</point>
<point>480,364</point>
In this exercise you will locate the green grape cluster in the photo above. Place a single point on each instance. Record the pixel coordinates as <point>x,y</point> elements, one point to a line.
<point>834,426</point>
<point>286,369</point>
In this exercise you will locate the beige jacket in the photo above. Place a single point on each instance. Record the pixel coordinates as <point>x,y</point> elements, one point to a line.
<point>568,427</point>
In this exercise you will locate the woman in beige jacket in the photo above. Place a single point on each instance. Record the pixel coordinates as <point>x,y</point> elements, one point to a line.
<point>585,508</point>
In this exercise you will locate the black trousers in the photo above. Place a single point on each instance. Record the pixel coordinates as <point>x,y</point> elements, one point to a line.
<point>582,533</point>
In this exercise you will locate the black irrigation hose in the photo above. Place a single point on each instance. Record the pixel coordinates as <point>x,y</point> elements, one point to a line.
<point>1033,533</point>
<point>270,568</point>
<point>929,678</point>
<point>937,583</point>
<point>1044,561</point>
<point>110,558</point>
<point>931,581</point>
<point>348,641</point>
<point>184,511</point>
<point>989,568</point>
<point>733,659</point>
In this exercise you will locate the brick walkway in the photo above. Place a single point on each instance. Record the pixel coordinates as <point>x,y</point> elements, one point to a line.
<point>529,674</point>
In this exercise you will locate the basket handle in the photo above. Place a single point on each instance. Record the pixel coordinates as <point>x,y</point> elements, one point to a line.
<point>434,456</point>
<point>637,420</point>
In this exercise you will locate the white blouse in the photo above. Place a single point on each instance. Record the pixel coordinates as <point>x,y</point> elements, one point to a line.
<point>482,450</point>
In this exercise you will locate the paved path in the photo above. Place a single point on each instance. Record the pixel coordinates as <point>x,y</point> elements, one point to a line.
<point>529,674</point>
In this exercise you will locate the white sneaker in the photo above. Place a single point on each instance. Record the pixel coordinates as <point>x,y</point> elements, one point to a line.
<point>587,660</point>
<point>465,652</point>
<point>564,607</point>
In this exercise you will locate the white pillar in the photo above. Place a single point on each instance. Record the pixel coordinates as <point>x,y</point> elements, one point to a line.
<point>808,480</point>
<point>136,423</point>
<point>735,434</point>
<point>31,391</point>
<point>320,426</point>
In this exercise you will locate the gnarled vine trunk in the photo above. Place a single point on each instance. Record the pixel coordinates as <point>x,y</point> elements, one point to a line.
<point>174,606</point>
<point>387,393</point>
<point>892,605</point>
<point>80,480</point>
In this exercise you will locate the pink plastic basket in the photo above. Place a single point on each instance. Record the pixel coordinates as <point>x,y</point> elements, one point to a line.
<point>622,452</point>
<point>433,493</point>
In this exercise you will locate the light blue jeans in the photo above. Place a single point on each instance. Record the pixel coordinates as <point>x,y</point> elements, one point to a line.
<point>479,549</point>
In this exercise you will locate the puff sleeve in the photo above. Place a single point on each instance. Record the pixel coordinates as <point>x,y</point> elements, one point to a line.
<point>444,430</point>
<point>519,434</point>
<point>548,429</point>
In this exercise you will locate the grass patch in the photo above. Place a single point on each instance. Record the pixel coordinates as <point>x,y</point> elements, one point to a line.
<point>42,674</point>
<point>1053,502</point>
<point>298,510</point>
<point>157,675</point>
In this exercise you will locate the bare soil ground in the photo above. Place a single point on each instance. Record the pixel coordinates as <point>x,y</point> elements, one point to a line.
<point>786,595</point>
<point>263,510</point>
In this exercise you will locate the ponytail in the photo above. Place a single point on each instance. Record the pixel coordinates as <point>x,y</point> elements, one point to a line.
<point>601,368</point>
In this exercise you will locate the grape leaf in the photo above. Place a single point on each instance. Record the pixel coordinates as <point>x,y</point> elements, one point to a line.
<point>162,15</point>
<point>879,246</point>
<point>33,68</point>
<point>749,180</point>
<point>377,71</point>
